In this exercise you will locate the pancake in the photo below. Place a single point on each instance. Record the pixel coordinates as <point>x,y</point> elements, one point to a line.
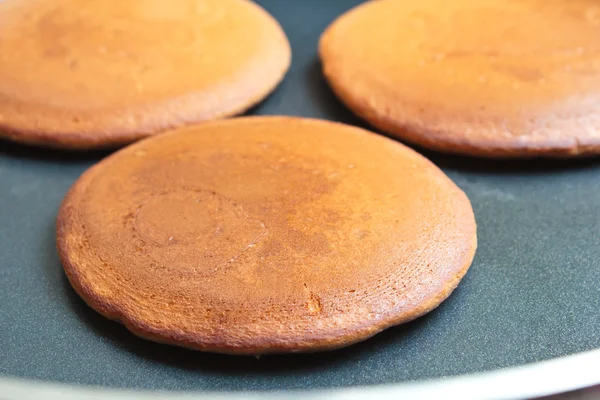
<point>491,78</point>
<point>265,234</point>
<point>99,74</point>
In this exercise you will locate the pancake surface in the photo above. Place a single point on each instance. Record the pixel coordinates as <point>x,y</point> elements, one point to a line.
<point>265,234</point>
<point>102,73</point>
<point>498,78</point>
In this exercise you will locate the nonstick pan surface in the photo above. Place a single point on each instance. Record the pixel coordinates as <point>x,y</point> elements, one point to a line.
<point>532,293</point>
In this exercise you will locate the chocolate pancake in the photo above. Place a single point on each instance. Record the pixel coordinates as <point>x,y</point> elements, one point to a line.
<point>496,78</point>
<point>265,234</point>
<point>95,73</point>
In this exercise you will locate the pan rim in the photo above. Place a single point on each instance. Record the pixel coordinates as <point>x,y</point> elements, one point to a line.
<point>543,378</point>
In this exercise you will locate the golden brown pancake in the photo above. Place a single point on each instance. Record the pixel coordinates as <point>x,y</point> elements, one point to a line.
<point>497,78</point>
<point>96,73</point>
<point>265,234</point>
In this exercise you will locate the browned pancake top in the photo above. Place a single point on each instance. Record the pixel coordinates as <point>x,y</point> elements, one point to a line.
<point>493,78</point>
<point>98,73</point>
<point>265,234</point>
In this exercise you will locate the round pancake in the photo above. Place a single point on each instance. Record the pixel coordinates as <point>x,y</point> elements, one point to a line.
<point>497,78</point>
<point>265,234</point>
<point>97,73</point>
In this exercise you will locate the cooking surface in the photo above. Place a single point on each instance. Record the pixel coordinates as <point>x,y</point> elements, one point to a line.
<point>533,291</point>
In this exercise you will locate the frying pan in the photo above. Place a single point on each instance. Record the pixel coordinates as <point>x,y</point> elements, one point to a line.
<point>525,321</point>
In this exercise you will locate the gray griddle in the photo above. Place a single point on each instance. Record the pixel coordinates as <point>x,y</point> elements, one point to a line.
<point>532,294</point>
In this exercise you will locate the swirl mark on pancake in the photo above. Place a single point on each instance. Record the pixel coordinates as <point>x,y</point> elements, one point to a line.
<point>196,231</point>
